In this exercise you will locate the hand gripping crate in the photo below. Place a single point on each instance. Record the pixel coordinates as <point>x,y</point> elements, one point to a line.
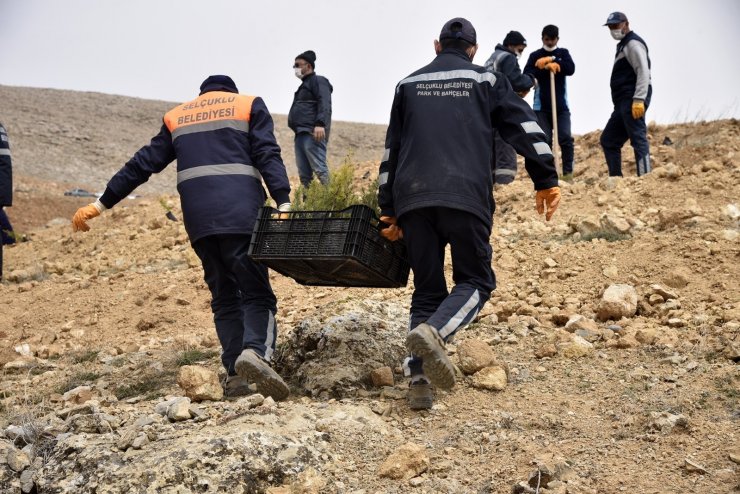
<point>329,248</point>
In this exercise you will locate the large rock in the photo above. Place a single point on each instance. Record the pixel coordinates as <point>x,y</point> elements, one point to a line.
<point>575,347</point>
<point>408,461</point>
<point>491,378</point>
<point>614,224</point>
<point>336,358</point>
<point>579,322</point>
<point>200,383</point>
<point>617,302</point>
<point>474,355</point>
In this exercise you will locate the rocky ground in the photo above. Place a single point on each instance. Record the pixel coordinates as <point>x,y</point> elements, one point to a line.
<point>605,362</point>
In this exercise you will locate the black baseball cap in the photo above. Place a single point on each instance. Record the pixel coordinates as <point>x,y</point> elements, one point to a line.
<point>615,18</point>
<point>459,28</point>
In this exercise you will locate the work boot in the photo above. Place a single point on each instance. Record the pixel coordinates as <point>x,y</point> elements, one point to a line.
<point>255,369</point>
<point>235,386</point>
<point>424,342</point>
<point>567,177</point>
<point>420,395</point>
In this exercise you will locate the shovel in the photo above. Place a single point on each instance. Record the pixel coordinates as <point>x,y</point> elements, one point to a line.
<point>555,145</point>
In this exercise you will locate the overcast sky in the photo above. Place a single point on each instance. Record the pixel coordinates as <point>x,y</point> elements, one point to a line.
<point>163,49</point>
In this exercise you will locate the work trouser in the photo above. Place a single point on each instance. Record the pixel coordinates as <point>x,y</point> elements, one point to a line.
<point>6,236</point>
<point>620,127</point>
<point>504,160</point>
<point>243,303</point>
<point>565,138</point>
<point>427,232</point>
<point>310,158</point>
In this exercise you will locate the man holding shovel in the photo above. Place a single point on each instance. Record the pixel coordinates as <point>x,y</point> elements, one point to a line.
<point>552,64</point>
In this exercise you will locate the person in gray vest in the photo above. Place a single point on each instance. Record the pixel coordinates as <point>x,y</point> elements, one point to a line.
<point>631,92</point>
<point>505,60</point>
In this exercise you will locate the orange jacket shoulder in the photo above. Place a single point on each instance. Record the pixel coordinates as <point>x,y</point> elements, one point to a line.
<point>210,107</point>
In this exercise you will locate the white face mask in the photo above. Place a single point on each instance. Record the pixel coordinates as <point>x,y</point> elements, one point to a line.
<point>298,73</point>
<point>549,48</point>
<point>518,54</point>
<point>617,34</point>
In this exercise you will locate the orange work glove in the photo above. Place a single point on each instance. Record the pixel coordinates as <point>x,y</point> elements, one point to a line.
<point>79,220</point>
<point>638,109</point>
<point>542,62</point>
<point>553,67</point>
<point>393,232</point>
<point>548,199</point>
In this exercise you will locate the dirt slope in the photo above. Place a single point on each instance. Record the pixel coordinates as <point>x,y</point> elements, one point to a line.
<point>641,402</point>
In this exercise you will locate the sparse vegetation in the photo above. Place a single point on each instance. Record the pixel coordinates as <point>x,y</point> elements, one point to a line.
<point>193,356</point>
<point>84,356</point>
<point>149,385</point>
<point>78,379</point>
<point>607,235</point>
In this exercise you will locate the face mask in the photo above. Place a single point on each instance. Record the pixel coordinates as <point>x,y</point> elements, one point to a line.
<point>617,34</point>
<point>298,73</point>
<point>549,48</point>
<point>518,54</point>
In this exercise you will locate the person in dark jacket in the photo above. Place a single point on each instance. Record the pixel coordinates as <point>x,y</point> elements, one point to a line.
<point>552,58</point>
<point>436,188</point>
<point>505,60</point>
<point>225,147</point>
<point>6,192</point>
<point>310,119</point>
<point>631,92</point>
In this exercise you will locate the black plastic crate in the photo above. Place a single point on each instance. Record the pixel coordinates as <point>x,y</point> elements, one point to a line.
<point>329,248</point>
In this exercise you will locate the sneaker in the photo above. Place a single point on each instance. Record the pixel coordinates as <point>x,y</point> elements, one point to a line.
<point>420,395</point>
<point>255,369</point>
<point>235,386</point>
<point>424,342</point>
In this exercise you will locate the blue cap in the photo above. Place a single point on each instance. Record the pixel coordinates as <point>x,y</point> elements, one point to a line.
<point>615,18</point>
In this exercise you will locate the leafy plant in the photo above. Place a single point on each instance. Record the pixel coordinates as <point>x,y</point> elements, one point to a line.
<point>338,194</point>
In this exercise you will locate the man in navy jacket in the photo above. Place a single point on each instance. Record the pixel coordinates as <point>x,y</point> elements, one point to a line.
<point>552,58</point>
<point>225,147</point>
<point>436,188</point>
<point>310,118</point>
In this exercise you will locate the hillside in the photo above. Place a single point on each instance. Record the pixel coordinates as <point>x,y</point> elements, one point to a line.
<point>95,329</point>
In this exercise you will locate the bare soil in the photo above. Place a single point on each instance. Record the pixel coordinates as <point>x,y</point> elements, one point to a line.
<point>114,307</point>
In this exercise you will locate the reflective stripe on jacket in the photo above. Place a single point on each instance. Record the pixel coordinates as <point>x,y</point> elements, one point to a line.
<point>439,142</point>
<point>225,147</point>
